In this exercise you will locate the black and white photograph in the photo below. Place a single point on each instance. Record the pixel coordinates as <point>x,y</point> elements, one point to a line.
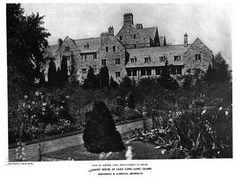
<point>118,82</point>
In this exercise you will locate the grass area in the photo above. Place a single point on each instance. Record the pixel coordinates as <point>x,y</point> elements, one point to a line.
<point>140,150</point>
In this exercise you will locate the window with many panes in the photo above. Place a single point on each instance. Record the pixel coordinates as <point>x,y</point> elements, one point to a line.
<point>173,70</point>
<point>134,46</point>
<point>94,55</point>
<point>134,36</point>
<point>134,72</point>
<point>107,49</point>
<point>147,59</point>
<point>103,62</point>
<point>177,58</point>
<point>198,57</point>
<point>158,71</point>
<point>143,72</point>
<point>132,60</point>
<point>128,72</point>
<point>117,60</point>
<point>117,74</point>
<point>149,72</point>
<point>162,59</point>
<point>114,48</point>
<point>67,49</point>
<point>179,70</point>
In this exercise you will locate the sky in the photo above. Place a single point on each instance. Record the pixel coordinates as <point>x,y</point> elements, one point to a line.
<point>210,22</point>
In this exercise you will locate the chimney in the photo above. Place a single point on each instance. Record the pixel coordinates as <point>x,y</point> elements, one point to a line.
<point>111,31</point>
<point>103,37</point>
<point>185,39</point>
<point>128,19</point>
<point>139,26</point>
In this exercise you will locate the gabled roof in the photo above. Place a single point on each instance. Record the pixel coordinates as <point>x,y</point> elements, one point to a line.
<point>154,53</point>
<point>198,40</point>
<point>147,32</point>
<point>115,39</point>
<point>93,44</point>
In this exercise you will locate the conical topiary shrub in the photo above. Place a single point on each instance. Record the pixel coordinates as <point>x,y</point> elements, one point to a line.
<point>100,134</point>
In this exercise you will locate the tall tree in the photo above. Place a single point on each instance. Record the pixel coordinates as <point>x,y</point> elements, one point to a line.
<point>104,76</point>
<point>89,82</point>
<point>52,74</point>
<point>113,83</point>
<point>64,71</point>
<point>156,38</point>
<point>26,41</point>
<point>164,43</point>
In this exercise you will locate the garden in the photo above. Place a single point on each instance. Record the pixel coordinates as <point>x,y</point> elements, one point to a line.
<point>191,114</point>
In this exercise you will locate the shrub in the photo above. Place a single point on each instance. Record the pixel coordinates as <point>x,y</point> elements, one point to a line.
<point>100,133</point>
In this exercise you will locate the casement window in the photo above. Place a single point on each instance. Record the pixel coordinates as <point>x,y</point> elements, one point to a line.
<point>147,59</point>
<point>173,70</point>
<point>177,58</point>
<point>107,49</point>
<point>162,59</point>
<point>103,62</point>
<point>134,72</point>
<point>94,55</point>
<point>132,60</point>
<point>84,71</point>
<point>198,57</point>
<point>143,72</point>
<point>117,74</point>
<point>134,36</point>
<point>158,71</point>
<point>179,70</point>
<point>114,48</point>
<point>67,49</point>
<point>134,46</point>
<point>120,37</point>
<point>128,72</point>
<point>86,46</point>
<point>149,72</point>
<point>117,60</point>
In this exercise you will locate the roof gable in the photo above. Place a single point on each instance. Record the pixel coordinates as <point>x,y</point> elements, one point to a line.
<point>93,44</point>
<point>196,42</point>
<point>147,32</point>
<point>114,39</point>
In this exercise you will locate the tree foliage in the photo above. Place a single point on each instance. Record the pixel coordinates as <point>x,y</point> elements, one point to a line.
<point>90,81</point>
<point>104,77</point>
<point>218,71</point>
<point>26,41</point>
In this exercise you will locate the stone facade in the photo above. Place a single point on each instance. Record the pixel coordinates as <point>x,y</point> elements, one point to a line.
<point>134,51</point>
<point>113,53</point>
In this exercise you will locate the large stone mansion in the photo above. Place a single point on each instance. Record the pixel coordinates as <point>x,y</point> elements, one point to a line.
<point>135,51</point>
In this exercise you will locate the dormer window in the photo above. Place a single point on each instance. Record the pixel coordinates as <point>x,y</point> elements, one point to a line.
<point>86,46</point>
<point>67,49</point>
<point>147,59</point>
<point>162,59</point>
<point>132,60</point>
<point>177,58</point>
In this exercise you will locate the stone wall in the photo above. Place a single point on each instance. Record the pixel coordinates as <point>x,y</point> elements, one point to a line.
<point>111,56</point>
<point>189,56</point>
<point>127,32</point>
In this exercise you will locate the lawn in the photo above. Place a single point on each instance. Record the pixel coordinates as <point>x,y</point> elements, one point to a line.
<point>140,150</point>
